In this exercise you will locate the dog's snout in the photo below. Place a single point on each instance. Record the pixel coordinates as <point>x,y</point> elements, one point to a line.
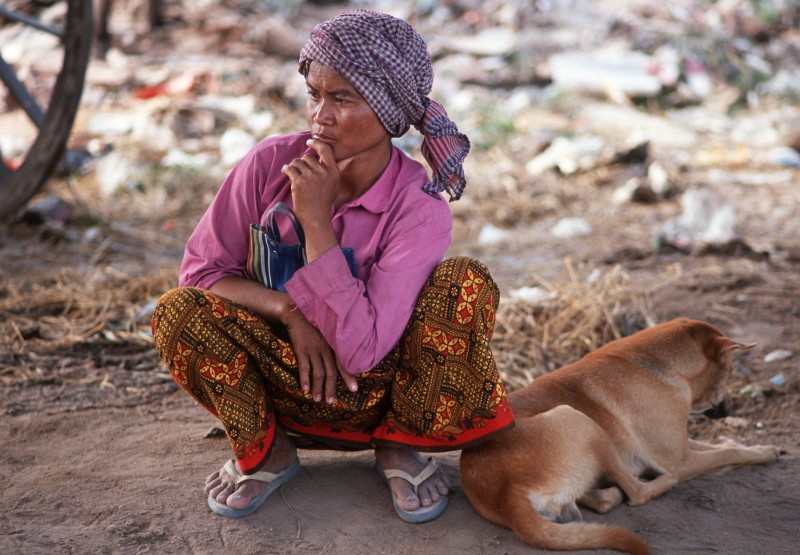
<point>720,410</point>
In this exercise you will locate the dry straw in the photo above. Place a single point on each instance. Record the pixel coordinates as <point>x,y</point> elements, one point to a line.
<point>54,320</point>
<point>582,312</point>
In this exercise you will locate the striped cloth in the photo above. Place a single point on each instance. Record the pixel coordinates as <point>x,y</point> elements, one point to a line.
<point>387,61</point>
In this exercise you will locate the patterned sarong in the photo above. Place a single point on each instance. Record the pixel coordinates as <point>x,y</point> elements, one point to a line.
<point>437,390</point>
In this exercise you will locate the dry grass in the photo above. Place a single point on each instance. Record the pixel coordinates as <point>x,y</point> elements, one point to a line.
<point>61,324</point>
<point>581,313</point>
<point>67,311</point>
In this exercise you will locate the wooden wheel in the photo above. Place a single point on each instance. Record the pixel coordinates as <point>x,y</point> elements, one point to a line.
<point>52,124</point>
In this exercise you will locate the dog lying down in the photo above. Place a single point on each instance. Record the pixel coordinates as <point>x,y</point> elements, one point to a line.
<point>592,432</point>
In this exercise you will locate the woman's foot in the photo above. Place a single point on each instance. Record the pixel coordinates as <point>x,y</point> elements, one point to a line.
<point>221,487</point>
<point>429,492</point>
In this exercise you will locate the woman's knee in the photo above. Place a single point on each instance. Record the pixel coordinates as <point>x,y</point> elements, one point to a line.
<point>466,271</point>
<point>170,309</point>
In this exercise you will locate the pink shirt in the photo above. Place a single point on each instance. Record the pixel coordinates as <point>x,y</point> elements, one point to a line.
<point>399,234</point>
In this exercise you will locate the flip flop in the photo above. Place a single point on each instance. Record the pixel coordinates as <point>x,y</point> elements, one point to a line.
<point>423,514</point>
<point>274,481</point>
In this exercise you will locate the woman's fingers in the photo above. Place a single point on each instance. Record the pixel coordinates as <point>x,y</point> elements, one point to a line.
<point>317,366</point>
<point>349,379</point>
<point>318,379</point>
<point>325,154</point>
<point>300,167</point>
<point>330,380</point>
<point>325,371</point>
<point>323,151</point>
<point>304,369</point>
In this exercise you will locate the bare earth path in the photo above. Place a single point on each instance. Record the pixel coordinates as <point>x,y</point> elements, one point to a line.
<point>130,481</point>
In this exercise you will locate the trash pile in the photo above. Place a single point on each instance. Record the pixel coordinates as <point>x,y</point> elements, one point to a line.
<point>564,87</point>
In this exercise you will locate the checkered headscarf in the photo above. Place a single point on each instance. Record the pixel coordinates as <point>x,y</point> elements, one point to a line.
<point>389,65</point>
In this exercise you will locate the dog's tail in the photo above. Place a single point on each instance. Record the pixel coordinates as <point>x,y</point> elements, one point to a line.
<point>545,534</point>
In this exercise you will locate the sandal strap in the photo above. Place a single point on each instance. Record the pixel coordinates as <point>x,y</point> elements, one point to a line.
<point>262,476</point>
<point>429,470</point>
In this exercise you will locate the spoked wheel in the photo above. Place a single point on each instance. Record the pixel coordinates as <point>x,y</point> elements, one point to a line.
<point>46,126</point>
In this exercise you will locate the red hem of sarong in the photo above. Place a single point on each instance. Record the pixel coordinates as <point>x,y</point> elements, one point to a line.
<point>251,463</point>
<point>487,428</point>
<point>329,437</point>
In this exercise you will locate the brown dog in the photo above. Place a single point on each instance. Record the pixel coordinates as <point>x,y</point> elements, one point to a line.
<point>588,432</point>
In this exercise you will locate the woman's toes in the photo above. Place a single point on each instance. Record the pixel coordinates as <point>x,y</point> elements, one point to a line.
<point>426,497</point>
<point>213,480</point>
<point>220,492</point>
<point>405,495</point>
<point>236,500</point>
<point>211,485</point>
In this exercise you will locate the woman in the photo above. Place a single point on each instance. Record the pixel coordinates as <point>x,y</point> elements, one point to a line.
<point>395,358</point>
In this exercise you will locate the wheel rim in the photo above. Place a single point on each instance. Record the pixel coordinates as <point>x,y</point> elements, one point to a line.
<point>18,186</point>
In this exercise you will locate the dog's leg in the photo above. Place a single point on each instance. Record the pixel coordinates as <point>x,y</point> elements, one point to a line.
<point>602,500</point>
<point>653,488</point>
<point>696,445</point>
<point>703,458</point>
<point>637,491</point>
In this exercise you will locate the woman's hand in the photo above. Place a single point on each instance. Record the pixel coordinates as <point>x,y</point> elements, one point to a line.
<point>316,360</point>
<point>315,178</point>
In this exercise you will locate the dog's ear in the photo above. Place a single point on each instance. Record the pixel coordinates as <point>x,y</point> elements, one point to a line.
<point>729,345</point>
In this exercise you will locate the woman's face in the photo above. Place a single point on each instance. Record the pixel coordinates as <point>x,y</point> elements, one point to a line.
<point>339,116</point>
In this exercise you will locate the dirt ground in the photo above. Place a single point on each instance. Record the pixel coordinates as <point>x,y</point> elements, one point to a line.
<point>101,453</point>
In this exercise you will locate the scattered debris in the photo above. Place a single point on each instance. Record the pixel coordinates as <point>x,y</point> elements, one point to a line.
<point>566,228</point>
<point>778,380</point>
<point>778,355</point>
<point>491,235</point>
<point>705,220</point>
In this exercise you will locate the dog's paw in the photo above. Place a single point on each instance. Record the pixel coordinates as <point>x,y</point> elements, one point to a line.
<point>764,453</point>
<point>770,451</point>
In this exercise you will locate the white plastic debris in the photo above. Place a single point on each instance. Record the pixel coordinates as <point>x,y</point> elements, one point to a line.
<point>568,155</point>
<point>697,78</point>
<point>116,172</point>
<point>778,355</point>
<point>242,106</point>
<point>602,71</point>
<point>705,220</point>
<point>784,156</point>
<point>621,123</point>
<point>624,193</point>
<point>658,178</point>
<point>666,65</point>
<point>234,144</point>
<point>720,228</point>
<point>494,41</point>
<point>112,123</point>
<point>146,312</point>
<point>179,158</point>
<point>533,295</point>
<point>778,380</point>
<point>12,146</point>
<point>260,123</point>
<point>491,235</point>
<point>571,227</point>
